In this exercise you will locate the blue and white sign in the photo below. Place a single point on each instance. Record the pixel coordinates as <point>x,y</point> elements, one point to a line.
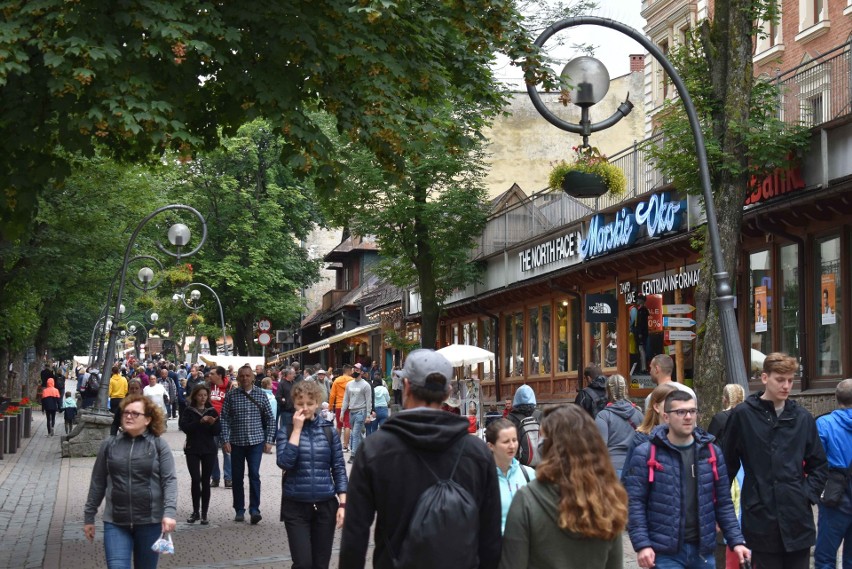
<point>657,216</point>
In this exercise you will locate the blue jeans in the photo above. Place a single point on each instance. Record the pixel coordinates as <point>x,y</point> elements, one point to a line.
<point>121,543</point>
<point>226,464</point>
<point>240,455</point>
<point>834,527</point>
<point>687,558</point>
<point>356,419</point>
<point>381,417</point>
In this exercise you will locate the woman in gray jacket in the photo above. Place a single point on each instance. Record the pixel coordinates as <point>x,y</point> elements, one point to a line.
<point>135,471</point>
<point>617,421</point>
<point>574,512</point>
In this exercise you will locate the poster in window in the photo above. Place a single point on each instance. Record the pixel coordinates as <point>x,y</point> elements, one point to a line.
<point>829,306</point>
<point>760,309</point>
<point>654,303</point>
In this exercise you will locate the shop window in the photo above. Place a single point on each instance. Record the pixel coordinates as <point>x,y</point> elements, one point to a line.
<point>487,336</point>
<point>567,338</point>
<point>454,334</point>
<point>603,340</point>
<point>539,340</point>
<point>829,308</point>
<point>514,345</point>
<point>760,301</point>
<point>789,261</point>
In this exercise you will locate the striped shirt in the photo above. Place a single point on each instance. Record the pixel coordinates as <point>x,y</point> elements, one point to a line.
<point>243,424</point>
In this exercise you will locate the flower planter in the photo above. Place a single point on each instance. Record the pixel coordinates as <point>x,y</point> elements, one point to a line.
<point>12,434</point>
<point>27,414</point>
<point>583,185</point>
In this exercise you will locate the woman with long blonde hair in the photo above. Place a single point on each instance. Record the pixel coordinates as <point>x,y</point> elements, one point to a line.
<point>573,514</point>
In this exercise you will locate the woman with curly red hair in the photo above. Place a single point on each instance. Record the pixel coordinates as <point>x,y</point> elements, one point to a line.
<point>573,514</point>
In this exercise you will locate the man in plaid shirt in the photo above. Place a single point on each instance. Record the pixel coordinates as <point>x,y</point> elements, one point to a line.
<point>248,429</point>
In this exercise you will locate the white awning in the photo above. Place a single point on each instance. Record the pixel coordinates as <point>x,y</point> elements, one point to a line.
<point>323,344</point>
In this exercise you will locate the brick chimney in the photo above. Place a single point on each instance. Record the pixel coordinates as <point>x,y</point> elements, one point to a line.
<point>637,63</point>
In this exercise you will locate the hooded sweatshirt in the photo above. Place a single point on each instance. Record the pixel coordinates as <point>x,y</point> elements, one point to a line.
<point>534,540</point>
<point>523,405</point>
<point>614,423</point>
<point>388,477</point>
<point>51,400</point>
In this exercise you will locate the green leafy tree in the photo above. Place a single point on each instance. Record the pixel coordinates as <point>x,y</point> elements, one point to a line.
<point>426,218</point>
<point>744,138</point>
<point>143,76</point>
<point>53,282</point>
<point>257,216</point>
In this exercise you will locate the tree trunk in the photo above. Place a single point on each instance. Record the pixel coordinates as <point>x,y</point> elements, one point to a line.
<point>727,42</point>
<point>425,263</point>
<point>4,372</point>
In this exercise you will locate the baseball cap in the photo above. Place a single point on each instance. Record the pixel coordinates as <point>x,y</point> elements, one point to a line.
<point>421,363</point>
<point>357,366</point>
<point>321,371</point>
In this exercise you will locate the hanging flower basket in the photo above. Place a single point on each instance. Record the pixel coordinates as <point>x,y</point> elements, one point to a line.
<point>194,320</point>
<point>179,276</point>
<point>588,176</point>
<point>144,303</point>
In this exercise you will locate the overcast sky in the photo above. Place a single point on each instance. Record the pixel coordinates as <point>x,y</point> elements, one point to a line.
<point>611,47</point>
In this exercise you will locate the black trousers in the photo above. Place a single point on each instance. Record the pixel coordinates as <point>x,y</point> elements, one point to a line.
<point>793,560</point>
<point>200,467</point>
<point>115,407</point>
<point>51,421</point>
<point>310,531</point>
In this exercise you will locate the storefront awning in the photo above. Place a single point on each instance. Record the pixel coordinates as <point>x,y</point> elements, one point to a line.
<point>323,344</point>
<point>288,353</point>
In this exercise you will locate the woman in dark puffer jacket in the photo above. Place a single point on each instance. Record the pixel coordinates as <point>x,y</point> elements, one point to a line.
<point>312,458</point>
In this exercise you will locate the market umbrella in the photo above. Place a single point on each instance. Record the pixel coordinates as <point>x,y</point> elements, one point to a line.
<point>464,355</point>
<point>757,358</point>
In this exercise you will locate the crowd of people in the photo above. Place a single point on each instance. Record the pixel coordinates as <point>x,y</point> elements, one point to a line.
<point>557,486</point>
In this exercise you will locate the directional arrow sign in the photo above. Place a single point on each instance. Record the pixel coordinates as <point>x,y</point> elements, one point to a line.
<point>677,308</point>
<point>677,335</point>
<point>674,322</point>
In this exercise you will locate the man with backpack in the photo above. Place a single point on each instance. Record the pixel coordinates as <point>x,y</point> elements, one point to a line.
<point>420,468</point>
<point>679,490</point>
<point>592,398</point>
<point>525,417</point>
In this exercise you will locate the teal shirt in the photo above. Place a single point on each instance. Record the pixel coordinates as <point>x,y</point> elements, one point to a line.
<point>510,483</point>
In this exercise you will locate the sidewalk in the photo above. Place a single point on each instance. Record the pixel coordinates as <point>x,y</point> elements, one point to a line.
<point>41,515</point>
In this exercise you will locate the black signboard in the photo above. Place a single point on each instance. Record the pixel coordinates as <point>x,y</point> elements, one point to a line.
<point>601,308</point>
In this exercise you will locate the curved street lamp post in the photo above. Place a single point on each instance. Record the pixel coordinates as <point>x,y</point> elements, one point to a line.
<point>734,361</point>
<point>179,236</point>
<point>194,296</point>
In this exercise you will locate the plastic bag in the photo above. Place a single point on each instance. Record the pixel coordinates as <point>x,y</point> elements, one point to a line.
<point>164,545</point>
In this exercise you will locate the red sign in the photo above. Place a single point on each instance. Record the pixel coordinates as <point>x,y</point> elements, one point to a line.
<point>781,181</point>
<point>654,304</point>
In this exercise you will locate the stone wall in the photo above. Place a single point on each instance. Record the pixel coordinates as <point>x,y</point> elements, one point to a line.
<point>817,401</point>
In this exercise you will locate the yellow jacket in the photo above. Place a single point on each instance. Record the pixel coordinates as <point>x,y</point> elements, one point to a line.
<point>117,387</point>
<point>338,390</point>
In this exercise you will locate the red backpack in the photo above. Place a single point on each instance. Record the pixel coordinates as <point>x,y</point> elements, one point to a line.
<point>653,465</point>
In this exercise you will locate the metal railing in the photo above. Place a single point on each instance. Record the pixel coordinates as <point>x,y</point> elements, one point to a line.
<point>819,90</point>
<point>547,210</point>
<point>812,93</point>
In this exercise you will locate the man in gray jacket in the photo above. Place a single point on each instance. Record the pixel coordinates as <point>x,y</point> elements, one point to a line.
<point>358,399</point>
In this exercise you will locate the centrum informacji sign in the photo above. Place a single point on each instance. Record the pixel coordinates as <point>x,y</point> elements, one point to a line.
<point>659,215</point>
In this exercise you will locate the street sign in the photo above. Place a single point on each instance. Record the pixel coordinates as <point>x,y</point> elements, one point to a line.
<point>264,338</point>
<point>675,322</point>
<point>677,308</point>
<point>264,325</point>
<point>679,335</point>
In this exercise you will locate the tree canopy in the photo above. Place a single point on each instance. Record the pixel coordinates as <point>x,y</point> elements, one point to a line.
<point>145,76</point>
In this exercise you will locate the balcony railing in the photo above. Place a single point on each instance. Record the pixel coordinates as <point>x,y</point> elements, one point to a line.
<point>813,93</point>
<point>817,91</point>
<point>547,210</point>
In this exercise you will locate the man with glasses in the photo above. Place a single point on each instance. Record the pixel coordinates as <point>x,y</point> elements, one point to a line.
<point>778,444</point>
<point>679,491</point>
